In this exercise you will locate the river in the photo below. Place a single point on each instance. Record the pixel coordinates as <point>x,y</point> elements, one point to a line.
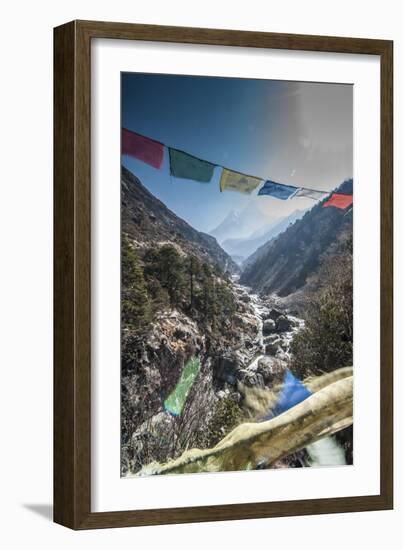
<point>262,308</point>
<point>327,451</point>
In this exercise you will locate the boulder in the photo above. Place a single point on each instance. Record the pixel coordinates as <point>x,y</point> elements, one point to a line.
<point>254,379</point>
<point>281,355</point>
<point>275,314</point>
<point>283,324</point>
<point>271,369</point>
<point>266,315</point>
<point>265,363</point>
<point>273,347</point>
<point>226,370</point>
<point>269,326</point>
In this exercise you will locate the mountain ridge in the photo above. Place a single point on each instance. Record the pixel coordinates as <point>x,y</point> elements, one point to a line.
<point>240,224</point>
<point>147,219</point>
<point>247,246</point>
<point>284,264</point>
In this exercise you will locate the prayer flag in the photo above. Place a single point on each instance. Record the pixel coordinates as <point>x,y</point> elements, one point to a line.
<point>142,148</point>
<point>176,400</point>
<point>291,393</point>
<point>338,200</point>
<point>183,165</point>
<point>277,190</point>
<point>236,181</point>
<point>311,194</point>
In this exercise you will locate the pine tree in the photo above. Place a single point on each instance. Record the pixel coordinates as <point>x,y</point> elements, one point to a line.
<point>326,342</point>
<point>165,265</point>
<point>135,301</point>
<point>193,270</point>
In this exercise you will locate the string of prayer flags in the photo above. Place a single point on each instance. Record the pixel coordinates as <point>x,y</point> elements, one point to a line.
<point>183,165</point>
<point>278,190</point>
<point>311,194</point>
<point>186,166</point>
<point>339,200</point>
<point>236,181</point>
<point>142,148</point>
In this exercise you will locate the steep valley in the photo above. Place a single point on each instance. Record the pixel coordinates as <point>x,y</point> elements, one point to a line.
<point>183,300</point>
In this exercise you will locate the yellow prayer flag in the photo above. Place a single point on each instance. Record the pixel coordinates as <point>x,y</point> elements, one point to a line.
<point>236,181</point>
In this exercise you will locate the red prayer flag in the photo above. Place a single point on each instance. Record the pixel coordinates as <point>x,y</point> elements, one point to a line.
<point>142,148</point>
<point>339,201</point>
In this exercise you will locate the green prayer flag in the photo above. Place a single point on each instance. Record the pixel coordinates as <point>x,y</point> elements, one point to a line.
<point>176,400</point>
<point>183,165</point>
<point>236,181</point>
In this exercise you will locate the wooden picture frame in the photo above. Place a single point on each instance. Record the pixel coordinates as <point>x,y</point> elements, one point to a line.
<point>72,269</point>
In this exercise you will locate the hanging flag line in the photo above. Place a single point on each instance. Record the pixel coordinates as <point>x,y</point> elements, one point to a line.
<point>187,166</point>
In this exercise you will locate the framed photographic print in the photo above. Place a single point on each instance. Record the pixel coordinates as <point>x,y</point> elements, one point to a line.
<point>223,275</point>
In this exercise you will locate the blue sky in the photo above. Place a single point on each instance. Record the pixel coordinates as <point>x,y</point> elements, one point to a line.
<point>297,133</point>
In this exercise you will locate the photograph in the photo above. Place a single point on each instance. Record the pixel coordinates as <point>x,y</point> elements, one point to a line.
<point>236,274</point>
<point>199,298</point>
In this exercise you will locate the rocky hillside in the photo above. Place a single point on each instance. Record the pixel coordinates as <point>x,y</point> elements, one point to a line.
<point>284,264</point>
<point>178,304</point>
<point>145,219</point>
<point>252,356</point>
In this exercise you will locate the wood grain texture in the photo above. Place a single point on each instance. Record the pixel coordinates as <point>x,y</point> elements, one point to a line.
<point>72,268</point>
<point>64,344</point>
<point>72,217</point>
<point>387,273</point>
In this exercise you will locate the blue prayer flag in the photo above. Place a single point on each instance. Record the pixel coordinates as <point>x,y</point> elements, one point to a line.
<point>291,393</point>
<point>277,190</point>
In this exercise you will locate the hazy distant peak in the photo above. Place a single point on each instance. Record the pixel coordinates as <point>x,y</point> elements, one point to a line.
<point>240,249</point>
<point>241,224</point>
